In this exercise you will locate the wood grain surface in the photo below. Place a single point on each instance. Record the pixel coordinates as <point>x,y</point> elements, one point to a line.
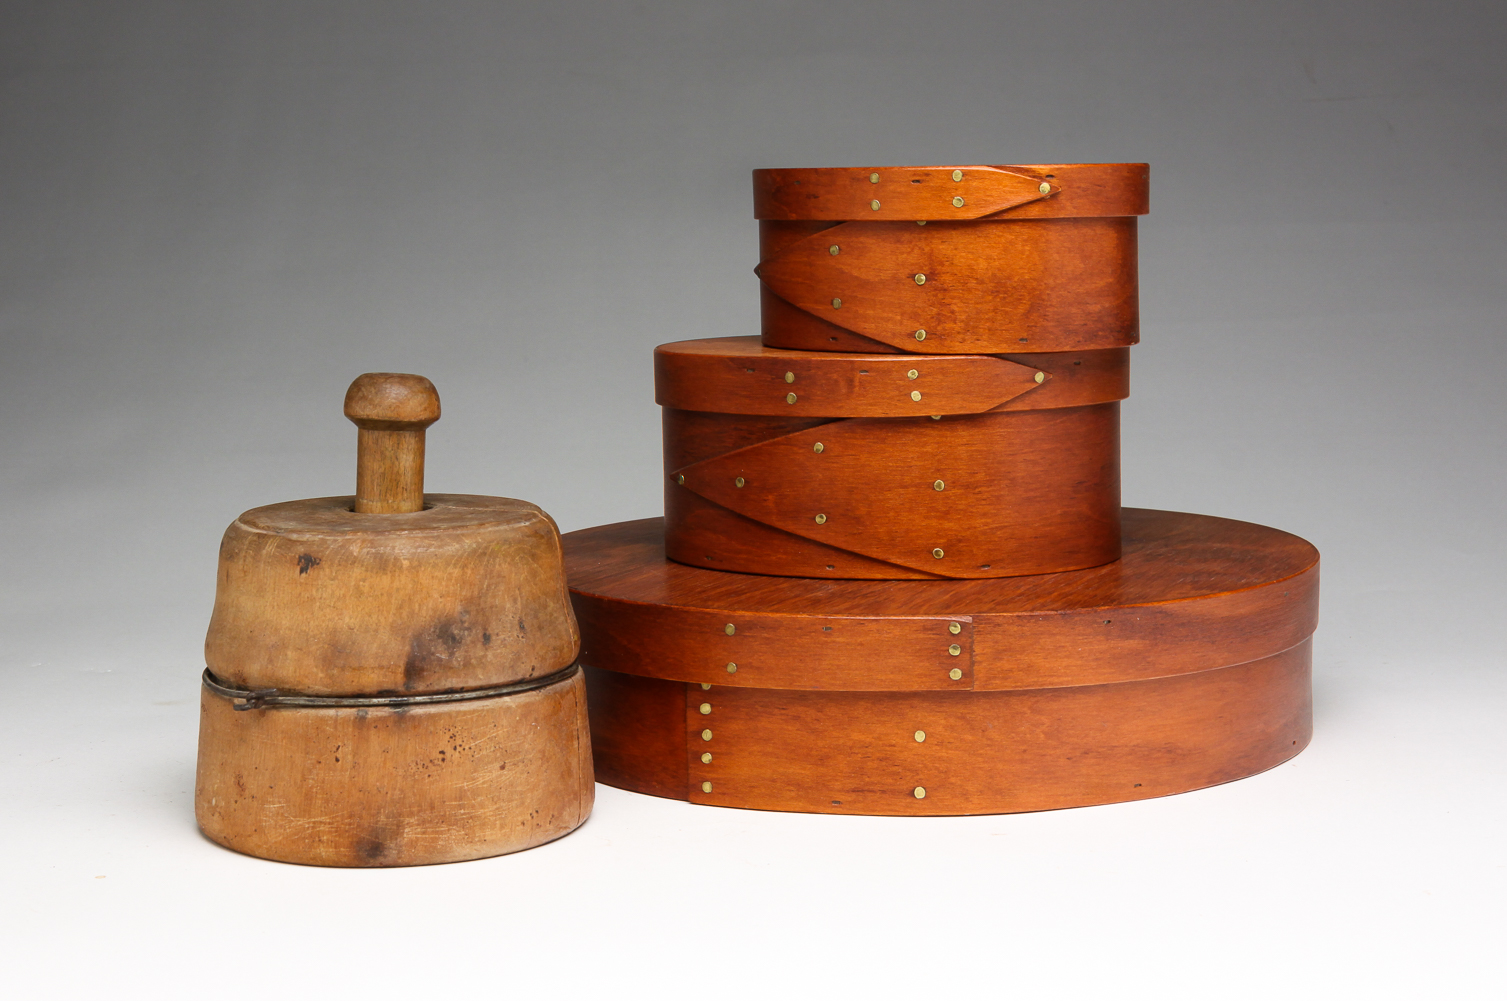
<point>970,752</point>
<point>957,287</point>
<point>399,594</point>
<point>985,495</point>
<point>391,411</point>
<point>395,787</point>
<point>738,375</point>
<point>1191,593</point>
<point>315,598</point>
<point>960,191</point>
<point>638,732</point>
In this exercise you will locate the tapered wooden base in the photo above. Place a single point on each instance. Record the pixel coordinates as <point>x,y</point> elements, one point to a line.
<point>395,786</point>
<point>1183,665</point>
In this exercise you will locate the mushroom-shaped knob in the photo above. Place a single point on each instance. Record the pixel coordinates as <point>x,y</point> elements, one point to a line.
<point>391,410</point>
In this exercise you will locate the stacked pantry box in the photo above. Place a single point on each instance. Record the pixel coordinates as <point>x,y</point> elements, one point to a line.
<point>894,576</point>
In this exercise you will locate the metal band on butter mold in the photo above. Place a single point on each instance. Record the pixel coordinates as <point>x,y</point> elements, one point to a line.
<point>272,698</point>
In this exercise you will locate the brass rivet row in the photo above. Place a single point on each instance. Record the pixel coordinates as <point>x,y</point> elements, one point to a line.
<point>873,178</point>
<point>955,650</point>
<point>920,335</point>
<point>738,482</point>
<point>957,175</point>
<point>680,479</point>
<point>732,668</point>
<point>936,417</point>
<point>920,736</point>
<point>730,628</point>
<point>1044,188</point>
<point>915,394</point>
<point>912,374</point>
<point>1041,377</point>
<point>920,279</point>
<point>874,205</point>
<point>789,376</point>
<point>789,397</point>
<point>920,222</point>
<point>821,519</point>
<point>705,709</point>
<point>938,553</point>
<point>920,793</point>
<point>954,627</point>
<point>955,674</point>
<point>957,201</point>
<point>834,250</point>
<point>939,485</point>
<point>818,448</point>
<point>837,304</point>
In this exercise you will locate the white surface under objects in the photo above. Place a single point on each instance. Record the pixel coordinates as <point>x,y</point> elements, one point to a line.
<point>1370,865</point>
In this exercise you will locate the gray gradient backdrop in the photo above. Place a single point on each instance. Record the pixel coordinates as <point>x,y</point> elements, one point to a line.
<point>213,215</point>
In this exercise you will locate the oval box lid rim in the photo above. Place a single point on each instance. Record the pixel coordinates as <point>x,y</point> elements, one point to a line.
<point>679,585</point>
<point>952,191</point>
<point>1193,594</point>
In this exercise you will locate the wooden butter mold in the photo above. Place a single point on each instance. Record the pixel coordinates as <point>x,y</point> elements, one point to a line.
<point>973,259</point>
<point>1182,665</point>
<point>391,676</point>
<point>832,464</point>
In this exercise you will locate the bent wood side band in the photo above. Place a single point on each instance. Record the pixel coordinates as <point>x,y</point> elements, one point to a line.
<point>738,375</point>
<point>638,733</point>
<point>1191,592</point>
<point>986,287</point>
<point>961,191</point>
<point>818,652</point>
<point>998,652</point>
<point>982,752</point>
<point>390,787</point>
<point>988,495</point>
